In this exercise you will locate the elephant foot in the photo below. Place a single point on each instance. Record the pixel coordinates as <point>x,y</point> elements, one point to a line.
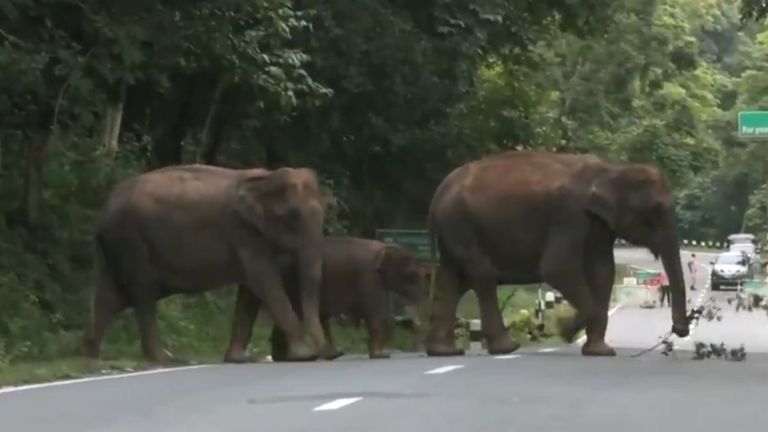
<point>379,355</point>
<point>597,349</point>
<point>568,329</point>
<point>330,352</point>
<point>301,351</point>
<point>279,356</point>
<point>503,345</point>
<point>443,350</point>
<point>237,357</point>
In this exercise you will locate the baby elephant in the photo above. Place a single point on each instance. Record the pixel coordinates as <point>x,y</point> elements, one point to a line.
<point>359,277</point>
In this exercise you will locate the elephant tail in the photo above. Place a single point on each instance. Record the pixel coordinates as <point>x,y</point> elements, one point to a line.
<point>432,233</point>
<point>104,284</point>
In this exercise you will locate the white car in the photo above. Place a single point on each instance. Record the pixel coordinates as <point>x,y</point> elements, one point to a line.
<point>730,268</point>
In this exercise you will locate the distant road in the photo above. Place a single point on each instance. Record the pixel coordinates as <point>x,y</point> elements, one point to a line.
<point>636,328</point>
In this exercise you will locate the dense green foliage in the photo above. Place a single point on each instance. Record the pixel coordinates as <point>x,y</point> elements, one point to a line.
<point>381,97</point>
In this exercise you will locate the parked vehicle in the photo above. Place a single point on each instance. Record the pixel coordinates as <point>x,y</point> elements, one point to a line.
<point>731,268</point>
<point>743,242</point>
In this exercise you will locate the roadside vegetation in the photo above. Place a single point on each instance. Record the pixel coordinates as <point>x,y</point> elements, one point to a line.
<point>381,97</point>
<point>196,329</point>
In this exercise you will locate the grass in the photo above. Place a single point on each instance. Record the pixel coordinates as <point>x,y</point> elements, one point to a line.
<point>519,304</point>
<point>127,358</point>
<point>196,329</point>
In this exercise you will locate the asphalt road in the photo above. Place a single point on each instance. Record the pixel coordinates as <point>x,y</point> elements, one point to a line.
<point>633,327</point>
<point>530,391</point>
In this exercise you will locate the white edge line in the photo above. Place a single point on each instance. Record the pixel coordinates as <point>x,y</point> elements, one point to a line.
<point>97,378</point>
<point>546,350</point>
<point>443,369</point>
<point>507,356</point>
<point>336,404</point>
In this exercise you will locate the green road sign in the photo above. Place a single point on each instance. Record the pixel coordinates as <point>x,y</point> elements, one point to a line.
<point>417,241</point>
<point>753,124</point>
<point>643,276</point>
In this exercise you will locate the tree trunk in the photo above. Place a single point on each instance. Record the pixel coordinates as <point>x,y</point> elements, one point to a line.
<point>209,126</point>
<point>112,122</point>
<point>172,117</point>
<point>33,181</point>
<point>166,149</point>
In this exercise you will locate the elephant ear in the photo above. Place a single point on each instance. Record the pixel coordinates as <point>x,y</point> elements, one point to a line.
<point>249,203</point>
<point>602,200</point>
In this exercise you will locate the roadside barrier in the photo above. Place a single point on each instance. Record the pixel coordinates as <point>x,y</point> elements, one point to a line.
<point>640,289</point>
<point>475,335</point>
<point>706,244</point>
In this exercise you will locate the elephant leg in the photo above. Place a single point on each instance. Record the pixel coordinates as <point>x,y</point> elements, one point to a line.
<point>496,335</point>
<point>107,304</point>
<point>309,280</point>
<point>143,289</point>
<point>330,351</point>
<point>246,311</point>
<point>264,281</point>
<point>279,344</point>
<point>600,270</point>
<point>378,334</point>
<point>562,269</point>
<point>440,340</point>
<point>151,345</point>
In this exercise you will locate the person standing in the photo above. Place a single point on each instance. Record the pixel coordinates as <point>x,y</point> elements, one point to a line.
<point>692,270</point>
<point>666,292</point>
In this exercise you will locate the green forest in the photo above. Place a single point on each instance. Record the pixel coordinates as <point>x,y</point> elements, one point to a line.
<point>381,97</point>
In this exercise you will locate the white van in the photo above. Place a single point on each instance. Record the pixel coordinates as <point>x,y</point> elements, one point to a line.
<point>743,242</point>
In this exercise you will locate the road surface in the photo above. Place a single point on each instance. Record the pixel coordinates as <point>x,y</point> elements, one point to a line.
<point>531,390</point>
<point>635,327</point>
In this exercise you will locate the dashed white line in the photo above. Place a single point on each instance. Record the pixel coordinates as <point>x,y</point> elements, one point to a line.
<point>507,356</point>
<point>97,378</point>
<point>699,301</point>
<point>443,369</point>
<point>336,404</point>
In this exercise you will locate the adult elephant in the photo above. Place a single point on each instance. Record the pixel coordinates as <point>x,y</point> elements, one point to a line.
<point>191,228</point>
<point>525,217</point>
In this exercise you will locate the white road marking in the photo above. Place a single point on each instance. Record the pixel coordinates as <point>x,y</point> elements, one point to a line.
<point>97,378</point>
<point>336,404</point>
<point>707,287</point>
<point>507,356</point>
<point>546,350</point>
<point>443,369</point>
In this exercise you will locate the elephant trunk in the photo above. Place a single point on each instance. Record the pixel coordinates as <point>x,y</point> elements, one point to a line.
<point>670,258</point>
